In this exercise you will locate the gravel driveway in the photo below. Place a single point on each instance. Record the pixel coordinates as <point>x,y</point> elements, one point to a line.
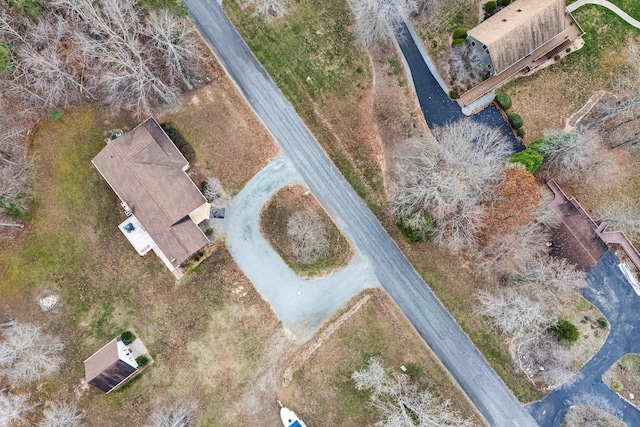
<point>302,305</point>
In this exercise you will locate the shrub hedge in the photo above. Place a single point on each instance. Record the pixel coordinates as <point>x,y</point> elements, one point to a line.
<point>515,120</point>
<point>176,136</point>
<point>127,337</point>
<point>460,33</point>
<point>414,234</point>
<point>457,42</point>
<point>142,361</point>
<point>564,331</point>
<point>530,159</point>
<point>503,100</point>
<point>491,7</point>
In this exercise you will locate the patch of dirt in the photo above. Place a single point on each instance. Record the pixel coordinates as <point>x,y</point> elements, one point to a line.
<point>625,382</point>
<point>274,220</point>
<point>256,402</point>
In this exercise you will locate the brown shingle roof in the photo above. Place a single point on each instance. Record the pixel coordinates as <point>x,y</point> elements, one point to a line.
<point>101,360</point>
<point>145,169</point>
<point>519,29</point>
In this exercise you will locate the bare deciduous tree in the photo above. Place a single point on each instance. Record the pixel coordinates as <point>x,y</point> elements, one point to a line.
<point>547,214</point>
<point>511,250</point>
<point>13,408</point>
<point>61,415</point>
<point>111,50</point>
<point>14,167</point>
<point>624,103</point>
<point>467,66</point>
<point>401,403</point>
<point>545,355</point>
<point>308,236</point>
<point>514,312</point>
<point>589,409</point>
<point>269,8</point>
<point>175,40</point>
<point>180,415</point>
<point>552,278</point>
<point>26,354</point>
<point>624,216</point>
<point>569,155</point>
<point>451,177</point>
<point>377,20</point>
<point>525,308</point>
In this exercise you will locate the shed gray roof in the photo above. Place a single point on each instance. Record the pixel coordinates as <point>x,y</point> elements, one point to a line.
<point>145,169</point>
<point>519,29</point>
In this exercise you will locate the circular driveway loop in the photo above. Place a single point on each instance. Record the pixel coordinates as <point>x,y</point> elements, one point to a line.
<point>301,305</point>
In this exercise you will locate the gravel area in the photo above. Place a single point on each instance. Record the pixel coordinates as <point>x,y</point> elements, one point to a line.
<point>302,305</point>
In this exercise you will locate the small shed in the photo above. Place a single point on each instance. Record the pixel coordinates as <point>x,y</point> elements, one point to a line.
<point>110,366</point>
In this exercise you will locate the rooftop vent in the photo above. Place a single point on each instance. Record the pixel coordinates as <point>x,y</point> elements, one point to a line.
<point>504,20</point>
<point>519,10</point>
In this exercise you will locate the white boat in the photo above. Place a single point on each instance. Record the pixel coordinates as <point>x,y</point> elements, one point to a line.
<point>289,418</point>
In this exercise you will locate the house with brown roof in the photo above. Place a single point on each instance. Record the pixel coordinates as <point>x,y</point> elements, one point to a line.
<point>110,366</point>
<point>163,205</point>
<point>522,29</point>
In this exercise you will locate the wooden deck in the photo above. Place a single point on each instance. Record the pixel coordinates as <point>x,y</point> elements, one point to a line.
<point>591,239</point>
<point>576,239</point>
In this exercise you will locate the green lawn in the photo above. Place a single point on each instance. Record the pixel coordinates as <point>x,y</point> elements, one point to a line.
<point>632,7</point>
<point>312,56</point>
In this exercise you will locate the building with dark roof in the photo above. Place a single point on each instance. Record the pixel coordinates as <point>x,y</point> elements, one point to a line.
<point>110,366</point>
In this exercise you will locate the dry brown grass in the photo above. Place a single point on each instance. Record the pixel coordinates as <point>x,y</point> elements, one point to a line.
<point>547,98</point>
<point>274,220</point>
<point>230,142</point>
<point>207,333</point>
<point>436,31</point>
<point>624,378</point>
<point>321,390</point>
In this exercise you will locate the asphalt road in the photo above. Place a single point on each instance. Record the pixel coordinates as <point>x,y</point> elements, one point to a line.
<point>608,290</point>
<point>450,344</point>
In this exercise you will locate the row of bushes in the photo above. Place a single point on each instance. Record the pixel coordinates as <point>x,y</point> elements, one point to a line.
<point>492,7</point>
<point>179,140</point>
<point>127,337</point>
<point>515,120</point>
